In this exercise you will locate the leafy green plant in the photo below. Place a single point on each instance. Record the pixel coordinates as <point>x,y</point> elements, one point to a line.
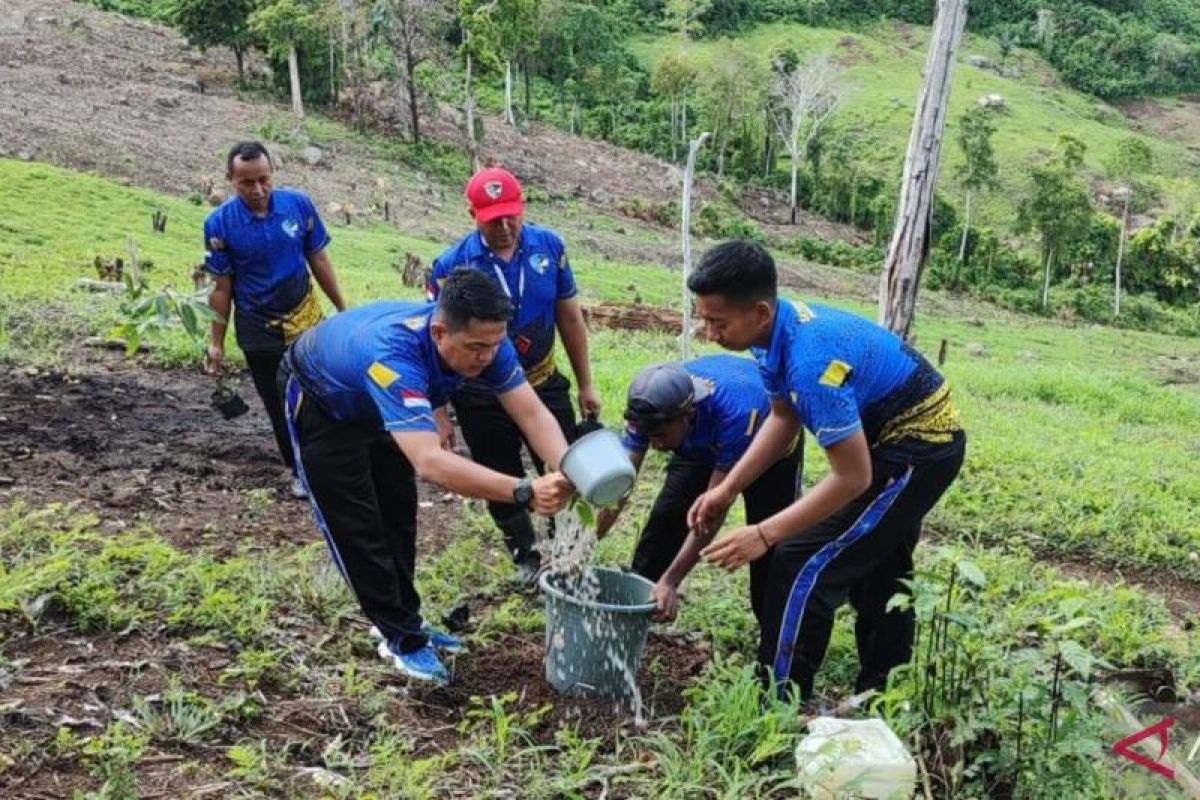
<point>258,764</point>
<point>180,715</point>
<point>111,757</point>
<point>143,309</point>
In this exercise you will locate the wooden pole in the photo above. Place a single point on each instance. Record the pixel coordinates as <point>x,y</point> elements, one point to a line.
<point>910,238</point>
<point>685,234</point>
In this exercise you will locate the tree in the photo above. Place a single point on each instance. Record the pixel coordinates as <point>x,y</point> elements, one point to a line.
<point>516,22</point>
<point>683,17</point>
<point>1132,159</point>
<point>573,38</point>
<point>411,30</point>
<point>672,78</point>
<point>215,23</point>
<point>1057,206</point>
<point>287,25</point>
<point>479,43</point>
<point>1007,41</point>
<point>909,247</point>
<point>805,97</point>
<point>979,170</point>
<point>685,231</point>
<point>731,94</point>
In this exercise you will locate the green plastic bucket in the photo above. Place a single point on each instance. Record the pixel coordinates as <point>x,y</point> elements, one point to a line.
<point>594,646</point>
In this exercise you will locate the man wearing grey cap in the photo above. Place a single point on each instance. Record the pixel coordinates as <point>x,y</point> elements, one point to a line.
<point>705,412</point>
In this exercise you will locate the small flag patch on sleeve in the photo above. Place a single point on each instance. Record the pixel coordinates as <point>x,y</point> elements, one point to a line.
<point>382,375</point>
<point>414,399</point>
<point>835,374</point>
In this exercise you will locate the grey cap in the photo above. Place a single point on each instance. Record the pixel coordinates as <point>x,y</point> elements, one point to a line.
<point>662,392</point>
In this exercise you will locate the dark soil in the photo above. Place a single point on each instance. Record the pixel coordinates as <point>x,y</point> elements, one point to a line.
<point>514,664</point>
<point>140,446</point>
<point>134,444</point>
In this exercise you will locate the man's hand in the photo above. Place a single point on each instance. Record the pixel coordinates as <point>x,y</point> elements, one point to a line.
<point>213,358</point>
<point>736,548</point>
<point>551,493</point>
<point>589,402</point>
<point>707,514</point>
<point>666,597</point>
<point>445,429</point>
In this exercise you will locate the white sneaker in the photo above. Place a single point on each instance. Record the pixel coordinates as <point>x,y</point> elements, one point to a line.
<point>298,490</point>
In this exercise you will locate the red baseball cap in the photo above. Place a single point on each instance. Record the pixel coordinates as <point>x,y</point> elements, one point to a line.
<point>493,193</point>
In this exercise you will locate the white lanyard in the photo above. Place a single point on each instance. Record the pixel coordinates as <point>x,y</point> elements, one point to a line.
<point>504,281</point>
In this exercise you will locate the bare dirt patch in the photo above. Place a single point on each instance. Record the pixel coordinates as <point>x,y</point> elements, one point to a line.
<point>140,445</point>
<point>1175,119</point>
<point>101,92</point>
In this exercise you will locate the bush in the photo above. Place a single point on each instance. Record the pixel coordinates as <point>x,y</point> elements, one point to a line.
<point>864,258</point>
<point>665,214</point>
<point>721,221</point>
<point>1094,304</point>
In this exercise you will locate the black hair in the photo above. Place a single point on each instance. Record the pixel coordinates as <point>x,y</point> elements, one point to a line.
<point>739,270</point>
<point>246,151</point>
<point>469,294</point>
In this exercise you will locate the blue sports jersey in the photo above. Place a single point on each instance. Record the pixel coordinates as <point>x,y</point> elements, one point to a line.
<point>726,420</point>
<point>377,365</point>
<point>273,295</point>
<point>536,278</point>
<point>838,371</point>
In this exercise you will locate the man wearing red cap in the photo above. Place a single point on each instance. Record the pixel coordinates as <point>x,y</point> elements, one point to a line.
<point>529,263</point>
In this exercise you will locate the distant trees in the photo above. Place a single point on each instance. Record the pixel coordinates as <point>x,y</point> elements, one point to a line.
<point>978,170</point>
<point>1132,159</point>
<point>672,80</point>
<point>411,31</point>
<point>286,26</point>
<point>805,96</point>
<point>213,23</point>
<point>1056,206</point>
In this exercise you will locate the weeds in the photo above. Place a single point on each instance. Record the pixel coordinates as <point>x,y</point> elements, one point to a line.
<point>179,716</point>
<point>111,757</point>
<point>258,764</point>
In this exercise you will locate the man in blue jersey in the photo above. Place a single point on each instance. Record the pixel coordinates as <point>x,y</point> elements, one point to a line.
<point>360,393</point>
<point>529,264</point>
<point>704,412</point>
<point>260,247</point>
<point>883,416</point>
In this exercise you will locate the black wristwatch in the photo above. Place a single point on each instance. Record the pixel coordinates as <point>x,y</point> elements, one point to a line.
<point>523,494</point>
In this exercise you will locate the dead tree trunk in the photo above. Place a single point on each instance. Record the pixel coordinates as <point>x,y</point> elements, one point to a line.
<point>910,238</point>
<point>294,80</point>
<point>1120,258</point>
<point>472,145</point>
<point>686,237</point>
<point>509,118</point>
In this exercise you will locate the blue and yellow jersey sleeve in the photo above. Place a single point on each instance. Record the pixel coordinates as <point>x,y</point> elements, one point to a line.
<point>400,390</point>
<point>825,402</point>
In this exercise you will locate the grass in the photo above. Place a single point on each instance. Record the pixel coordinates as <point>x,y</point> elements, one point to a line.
<point>884,68</point>
<point>1076,446</point>
<point>724,739</point>
<point>1075,443</point>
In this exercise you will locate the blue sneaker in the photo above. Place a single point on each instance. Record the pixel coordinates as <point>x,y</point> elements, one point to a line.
<point>446,642</point>
<point>440,640</point>
<point>422,664</point>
